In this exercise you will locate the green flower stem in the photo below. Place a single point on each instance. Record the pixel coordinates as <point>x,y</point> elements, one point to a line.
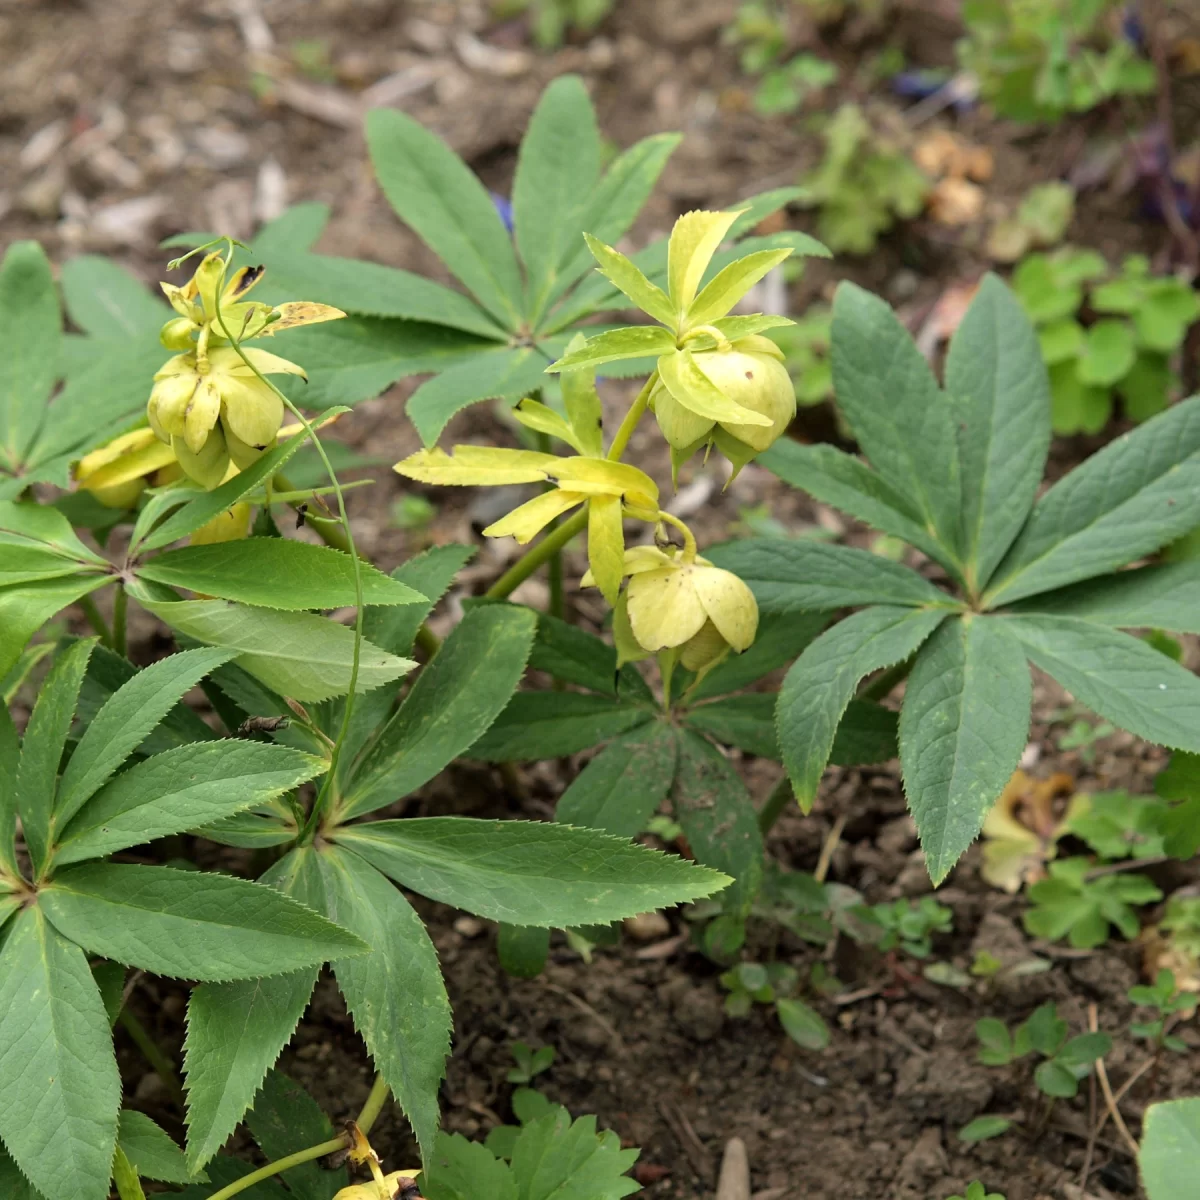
<point>95,618</point>
<point>427,641</point>
<point>279,1166</point>
<point>779,799</point>
<point>120,609</point>
<point>153,1054</point>
<point>525,566</point>
<point>636,411</point>
<point>379,1096</point>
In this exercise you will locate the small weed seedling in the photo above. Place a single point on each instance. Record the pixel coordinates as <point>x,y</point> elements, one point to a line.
<point>551,21</point>
<point>976,1191</point>
<point>1021,833</point>
<point>784,84</point>
<point>1120,825</point>
<point>1081,908</point>
<point>776,984</point>
<point>864,184</point>
<point>909,925</point>
<point>1105,334</point>
<point>530,1062</point>
<point>1166,1001</point>
<point>805,347</point>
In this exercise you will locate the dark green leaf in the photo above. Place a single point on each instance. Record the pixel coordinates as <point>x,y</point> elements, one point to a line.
<point>963,727</point>
<point>527,872</point>
<point>431,574</point>
<point>779,639</point>
<point>1144,598</point>
<point>522,950</point>
<point>552,724</point>
<point>25,609</point>
<point>150,1150</point>
<point>286,1119</point>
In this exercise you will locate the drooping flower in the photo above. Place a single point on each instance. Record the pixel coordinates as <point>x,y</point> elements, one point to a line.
<point>118,472</point>
<point>609,489</point>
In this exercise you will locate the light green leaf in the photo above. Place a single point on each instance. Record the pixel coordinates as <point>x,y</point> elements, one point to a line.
<point>275,573</point>
<point>684,379</point>
<point>45,527</point>
<point>1170,1148</point>
<point>624,274</point>
<point>1074,407</point>
<point>616,202</point>
<point>300,655</point>
<point>554,1158</point>
<point>779,639</point>
<point>582,403</point>
<point>632,341</point>
<point>125,721</point>
<point>998,385</point>
<point>395,992</point>
<point>59,1087</point>
<point>45,741</point>
<point>1146,598</point>
<point>527,872</point>
<point>731,284</point>
<point>235,1032</point>
<point>30,334</point>
<point>558,168</point>
<point>740,327</point>
<point>285,1120</point>
<point>823,680</point>
<point>902,420</point>
<point>25,609</point>
<point>1060,342</point>
<point>493,374</point>
<point>837,478</point>
<point>552,724</point>
<point>106,301</point>
<point>189,924</point>
<point>623,786</point>
<point>541,418</point>
<point>462,1170</point>
<point>802,1024</point>
<point>297,228</point>
<point>718,819</point>
<point>456,698</point>
<point>1138,493</point>
<point>125,1177</point>
<point>182,789</point>
<point>23,563</point>
<point>208,505</point>
<point>796,576</point>
<point>435,192</point>
<point>1117,676</point>
<point>963,726</point>
<point>151,1151</point>
<point>1108,353</point>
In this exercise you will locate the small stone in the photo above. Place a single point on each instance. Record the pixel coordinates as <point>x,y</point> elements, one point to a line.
<point>469,927</point>
<point>647,927</point>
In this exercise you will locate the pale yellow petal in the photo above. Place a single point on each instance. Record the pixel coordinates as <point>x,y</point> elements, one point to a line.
<point>680,426</point>
<point>243,454</point>
<point>606,545</point>
<point>180,299</point>
<point>207,467</point>
<point>253,412</point>
<point>705,650</point>
<point>664,609</point>
<point>207,281</point>
<point>694,240</point>
<point>169,401</point>
<point>239,283</point>
<point>637,485</point>
<point>729,603</point>
<point>476,466</point>
<point>693,389</point>
<point>181,364</point>
<point>134,464</point>
<point>230,526</point>
<point>625,644</point>
<point>201,414</point>
<point>300,312</point>
<point>228,360</point>
<point>526,522</point>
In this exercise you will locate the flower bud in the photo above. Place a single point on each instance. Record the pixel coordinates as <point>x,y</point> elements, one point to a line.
<point>179,333</point>
<point>752,374</point>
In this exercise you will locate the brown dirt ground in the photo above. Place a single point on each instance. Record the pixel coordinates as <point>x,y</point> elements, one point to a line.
<point>149,120</point>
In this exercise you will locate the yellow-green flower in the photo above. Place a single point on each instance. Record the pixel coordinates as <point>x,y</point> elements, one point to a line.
<point>386,1187</point>
<point>674,602</point>
<point>117,473</point>
<point>609,489</point>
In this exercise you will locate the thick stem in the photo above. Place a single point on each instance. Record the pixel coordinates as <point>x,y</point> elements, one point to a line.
<point>379,1096</point>
<point>779,799</point>
<point>427,641</point>
<point>120,610</point>
<point>153,1054</point>
<point>279,1166</point>
<point>636,410</point>
<point>550,545</point>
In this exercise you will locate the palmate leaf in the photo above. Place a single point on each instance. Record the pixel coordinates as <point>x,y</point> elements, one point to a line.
<point>106,301</point>
<point>718,819</point>
<point>963,727</point>
<point>30,333</point>
<point>59,1087</point>
<point>623,786</point>
<point>1117,676</point>
<point>430,573</point>
<point>44,527</point>
<point>997,382</point>
<point>779,639</point>
<point>527,872</point>
<point>182,789</point>
<point>890,398</point>
<point>298,654</point>
<point>456,698</point>
<point>436,193</point>
<point>1145,598</point>
<point>576,656</point>
<point>187,924</point>
<point>558,167</point>
<point>538,725</point>
<point>822,682</point>
<point>1138,493</point>
<point>789,576</point>
<point>395,992</point>
<point>125,721</point>
<point>286,1119</point>
<point>275,573</point>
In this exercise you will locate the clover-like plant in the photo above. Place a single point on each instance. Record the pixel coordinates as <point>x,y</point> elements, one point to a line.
<point>1009,576</point>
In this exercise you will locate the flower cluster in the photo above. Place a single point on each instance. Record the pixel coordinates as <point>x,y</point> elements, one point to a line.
<point>717,383</point>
